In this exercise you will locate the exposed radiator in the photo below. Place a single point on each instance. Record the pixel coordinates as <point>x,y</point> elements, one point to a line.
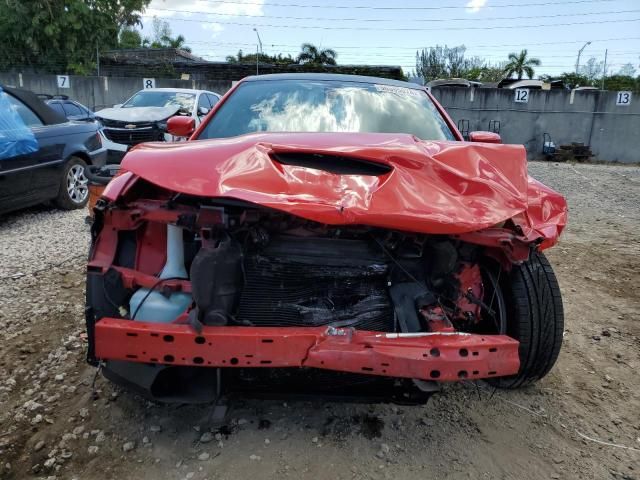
<point>316,281</point>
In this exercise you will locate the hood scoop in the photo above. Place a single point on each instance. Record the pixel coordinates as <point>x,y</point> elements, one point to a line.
<point>337,164</point>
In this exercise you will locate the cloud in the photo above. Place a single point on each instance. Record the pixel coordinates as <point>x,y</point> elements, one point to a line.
<point>240,7</point>
<point>220,11</point>
<point>474,6</point>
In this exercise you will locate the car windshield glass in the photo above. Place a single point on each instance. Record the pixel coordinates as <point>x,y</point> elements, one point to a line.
<point>161,99</point>
<point>327,106</point>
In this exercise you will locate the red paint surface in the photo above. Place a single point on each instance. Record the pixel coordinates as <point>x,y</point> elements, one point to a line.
<point>181,126</point>
<point>433,187</point>
<point>484,137</point>
<point>452,357</point>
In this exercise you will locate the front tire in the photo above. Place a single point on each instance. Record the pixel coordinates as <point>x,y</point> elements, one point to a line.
<point>535,318</point>
<point>74,185</point>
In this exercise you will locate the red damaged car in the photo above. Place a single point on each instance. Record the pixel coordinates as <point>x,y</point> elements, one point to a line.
<point>323,234</point>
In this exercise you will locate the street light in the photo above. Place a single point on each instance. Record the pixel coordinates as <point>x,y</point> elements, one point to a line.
<point>580,53</point>
<point>258,52</point>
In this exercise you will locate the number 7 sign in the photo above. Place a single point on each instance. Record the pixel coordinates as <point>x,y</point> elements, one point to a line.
<point>63,81</point>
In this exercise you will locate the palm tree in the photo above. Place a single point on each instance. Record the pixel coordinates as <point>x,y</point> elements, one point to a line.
<point>177,42</point>
<point>520,64</point>
<point>311,54</point>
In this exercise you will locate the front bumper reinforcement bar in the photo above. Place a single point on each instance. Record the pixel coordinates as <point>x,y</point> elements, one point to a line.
<point>427,356</point>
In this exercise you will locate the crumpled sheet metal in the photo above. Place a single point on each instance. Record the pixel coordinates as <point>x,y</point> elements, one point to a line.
<point>434,187</point>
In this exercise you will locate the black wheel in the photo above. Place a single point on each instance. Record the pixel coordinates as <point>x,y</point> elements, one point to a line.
<point>534,317</point>
<point>74,185</point>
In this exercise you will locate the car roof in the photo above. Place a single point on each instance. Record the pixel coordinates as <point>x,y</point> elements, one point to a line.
<point>67,100</point>
<point>47,114</point>
<point>333,76</point>
<point>177,90</point>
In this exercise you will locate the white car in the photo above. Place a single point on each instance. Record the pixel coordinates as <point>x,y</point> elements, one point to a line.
<point>143,118</point>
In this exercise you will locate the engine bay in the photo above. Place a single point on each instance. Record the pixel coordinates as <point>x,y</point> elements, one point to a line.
<point>249,266</point>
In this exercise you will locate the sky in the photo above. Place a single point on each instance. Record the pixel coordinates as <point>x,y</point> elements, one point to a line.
<point>380,32</point>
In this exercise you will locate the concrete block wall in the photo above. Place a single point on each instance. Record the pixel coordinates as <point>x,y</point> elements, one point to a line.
<point>101,92</point>
<point>589,117</point>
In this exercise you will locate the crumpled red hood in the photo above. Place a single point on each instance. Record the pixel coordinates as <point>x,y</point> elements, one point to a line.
<point>433,187</point>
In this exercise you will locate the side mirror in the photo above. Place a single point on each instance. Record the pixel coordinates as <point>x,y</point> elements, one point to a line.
<point>484,137</point>
<point>180,126</point>
<point>117,105</point>
<point>202,111</point>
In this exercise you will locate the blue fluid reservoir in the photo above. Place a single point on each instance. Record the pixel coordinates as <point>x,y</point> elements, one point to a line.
<point>153,306</point>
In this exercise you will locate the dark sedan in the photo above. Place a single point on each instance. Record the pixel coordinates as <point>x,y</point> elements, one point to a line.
<point>71,109</point>
<point>56,171</point>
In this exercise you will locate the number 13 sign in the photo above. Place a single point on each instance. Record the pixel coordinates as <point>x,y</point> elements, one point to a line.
<point>623,98</point>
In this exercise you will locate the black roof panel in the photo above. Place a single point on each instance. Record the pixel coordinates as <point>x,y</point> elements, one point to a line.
<point>48,115</point>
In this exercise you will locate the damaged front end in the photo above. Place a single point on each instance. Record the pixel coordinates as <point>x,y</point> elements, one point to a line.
<point>189,282</point>
<point>191,294</point>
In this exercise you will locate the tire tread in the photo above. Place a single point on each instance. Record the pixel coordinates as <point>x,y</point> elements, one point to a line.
<point>536,319</point>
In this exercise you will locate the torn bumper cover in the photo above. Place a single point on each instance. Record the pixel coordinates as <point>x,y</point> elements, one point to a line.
<point>438,356</point>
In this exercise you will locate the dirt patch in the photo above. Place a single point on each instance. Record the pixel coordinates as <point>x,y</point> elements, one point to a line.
<point>55,421</point>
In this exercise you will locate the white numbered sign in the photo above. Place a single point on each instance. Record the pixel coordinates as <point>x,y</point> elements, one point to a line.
<point>63,81</point>
<point>148,83</point>
<point>623,98</point>
<point>522,95</point>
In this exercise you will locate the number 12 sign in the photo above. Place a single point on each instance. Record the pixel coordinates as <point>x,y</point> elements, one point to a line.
<point>522,95</point>
<point>623,98</point>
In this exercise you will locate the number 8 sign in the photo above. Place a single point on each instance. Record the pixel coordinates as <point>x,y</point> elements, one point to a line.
<point>623,98</point>
<point>148,83</point>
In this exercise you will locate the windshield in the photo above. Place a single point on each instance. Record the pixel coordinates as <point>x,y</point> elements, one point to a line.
<point>327,106</point>
<point>161,99</point>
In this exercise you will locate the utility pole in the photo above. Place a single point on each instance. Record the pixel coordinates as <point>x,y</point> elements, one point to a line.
<point>98,60</point>
<point>258,51</point>
<point>580,53</point>
<point>604,69</point>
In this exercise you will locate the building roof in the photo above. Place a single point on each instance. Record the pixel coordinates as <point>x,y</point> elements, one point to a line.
<point>152,54</point>
<point>454,82</point>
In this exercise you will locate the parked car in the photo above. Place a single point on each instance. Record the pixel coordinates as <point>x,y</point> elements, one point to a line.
<point>71,109</point>
<point>143,118</point>
<point>329,234</point>
<point>56,171</point>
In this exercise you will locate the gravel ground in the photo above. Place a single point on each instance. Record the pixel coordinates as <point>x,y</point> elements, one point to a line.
<point>53,425</point>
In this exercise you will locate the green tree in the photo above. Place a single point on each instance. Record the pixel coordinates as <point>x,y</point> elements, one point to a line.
<point>162,37</point>
<point>622,82</point>
<point>310,54</point>
<point>177,42</point>
<point>441,62</point>
<point>130,38</point>
<point>592,69</point>
<point>520,65</point>
<point>574,80</point>
<point>62,35</point>
<point>486,73</point>
<point>263,58</point>
<point>627,70</point>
